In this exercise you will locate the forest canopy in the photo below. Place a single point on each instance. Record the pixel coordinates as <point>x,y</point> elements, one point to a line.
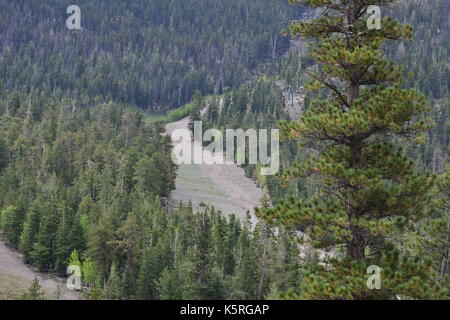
<point>153,54</point>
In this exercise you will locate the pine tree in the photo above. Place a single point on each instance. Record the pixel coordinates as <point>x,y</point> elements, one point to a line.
<point>203,252</point>
<point>30,229</point>
<point>369,191</point>
<point>3,155</point>
<point>148,275</point>
<point>100,247</point>
<point>245,279</point>
<point>74,259</point>
<point>12,224</point>
<point>435,240</point>
<point>129,235</point>
<point>113,289</point>
<point>286,266</point>
<point>63,242</point>
<point>442,231</point>
<point>218,239</point>
<point>231,241</point>
<point>168,286</point>
<point>88,272</point>
<point>148,176</point>
<point>34,292</point>
<point>188,276</point>
<point>69,238</point>
<point>43,254</point>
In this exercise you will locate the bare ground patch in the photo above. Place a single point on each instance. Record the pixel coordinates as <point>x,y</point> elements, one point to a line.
<point>223,186</point>
<point>16,277</point>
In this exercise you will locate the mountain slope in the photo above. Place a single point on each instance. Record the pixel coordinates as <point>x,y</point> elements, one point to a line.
<point>154,54</point>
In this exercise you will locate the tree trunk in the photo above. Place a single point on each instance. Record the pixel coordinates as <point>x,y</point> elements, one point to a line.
<point>356,247</point>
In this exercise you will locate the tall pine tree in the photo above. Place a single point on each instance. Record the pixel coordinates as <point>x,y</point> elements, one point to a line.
<point>369,192</point>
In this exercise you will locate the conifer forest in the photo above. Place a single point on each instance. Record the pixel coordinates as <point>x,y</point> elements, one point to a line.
<point>347,102</point>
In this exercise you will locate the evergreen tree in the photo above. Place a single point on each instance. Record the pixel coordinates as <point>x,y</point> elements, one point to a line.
<point>287,264</point>
<point>114,289</point>
<point>88,272</point>
<point>129,235</point>
<point>63,241</point>
<point>167,284</point>
<point>43,254</point>
<point>148,274</point>
<point>435,240</point>
<point>194,114</point>
<point>148,176</point>
<point>3,155</point>
<point>188,276</point>
<point>74,259</point>
<point>34,292</point>
<point>30,229</point>
<point>100,247</point>
<point>231,241</point>
<point>245,280</point>
<point>369,190</point>
<point>202,256</point>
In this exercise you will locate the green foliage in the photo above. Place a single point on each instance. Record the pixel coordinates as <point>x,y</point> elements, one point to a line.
<point>11,224</point>
<point>44,249</point>
<point>3,155</point>
<point>434,241</point>
<point>87,183</point>
<point>34,292</point>
<point>88,272</point>
<point>153,54</point>
<point>256,105</point>
<point>100,249</point>
<point>54,201</point>
<point>245,280</point>
<point>113,289</point>
<point>369,192</point>
<point>167,286</point>
<point>30,229</point>
<point>74,259</point>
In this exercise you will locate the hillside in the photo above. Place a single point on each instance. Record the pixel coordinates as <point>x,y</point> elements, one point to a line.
<point>153,54</point>
<point>86,170</point>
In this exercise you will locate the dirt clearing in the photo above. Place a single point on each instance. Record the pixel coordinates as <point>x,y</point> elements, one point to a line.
<point>223,186</point>
<point>16,277</point>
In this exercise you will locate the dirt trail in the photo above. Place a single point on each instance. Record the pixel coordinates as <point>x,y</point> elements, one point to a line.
<point>223,186</point>
<point>16,277</point>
